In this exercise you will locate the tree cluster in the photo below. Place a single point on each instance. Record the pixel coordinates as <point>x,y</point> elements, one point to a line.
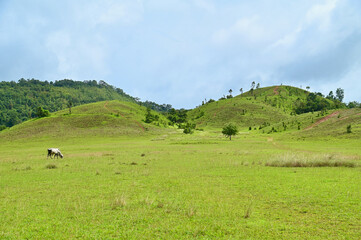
<point>179,117</point>
<point>317,102</point>
<point>20,101</point>
<point>149,117</point>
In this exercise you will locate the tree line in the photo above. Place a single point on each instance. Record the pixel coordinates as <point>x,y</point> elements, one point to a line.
<point>30,98</point>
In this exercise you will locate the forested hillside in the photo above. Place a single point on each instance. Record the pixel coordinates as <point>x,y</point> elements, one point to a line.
<point>20,101</point>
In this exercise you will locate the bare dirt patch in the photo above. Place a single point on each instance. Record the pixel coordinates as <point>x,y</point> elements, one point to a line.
<point>324,119</point>
<point>275,90</point>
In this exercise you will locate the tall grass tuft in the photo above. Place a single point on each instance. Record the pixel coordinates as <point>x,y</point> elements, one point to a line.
<point>118,202</point>
<point>51,166</point>
<point>317,160</point>
<point>248,208</point>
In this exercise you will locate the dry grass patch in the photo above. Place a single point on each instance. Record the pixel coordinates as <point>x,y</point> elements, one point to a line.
<point>119,202</point>
<point>314,160</point>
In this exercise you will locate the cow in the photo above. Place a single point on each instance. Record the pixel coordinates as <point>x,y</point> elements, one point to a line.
<point>54,151</point>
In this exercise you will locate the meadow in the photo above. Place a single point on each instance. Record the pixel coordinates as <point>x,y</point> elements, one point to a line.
<point>175,186</point>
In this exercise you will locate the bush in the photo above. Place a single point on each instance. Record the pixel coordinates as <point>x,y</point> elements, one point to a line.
<point>51,166</point>
<point>349,129</point>
<point>40,112</point>
<point>188,128</point>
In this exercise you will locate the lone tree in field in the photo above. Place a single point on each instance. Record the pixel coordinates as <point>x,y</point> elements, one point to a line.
<point>229,130</point>
<point>69,105</point>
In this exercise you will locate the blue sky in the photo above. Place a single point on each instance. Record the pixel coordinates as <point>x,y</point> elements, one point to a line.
<point>183,51</point>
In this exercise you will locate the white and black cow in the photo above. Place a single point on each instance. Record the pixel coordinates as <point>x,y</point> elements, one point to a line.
<point>54,152</point>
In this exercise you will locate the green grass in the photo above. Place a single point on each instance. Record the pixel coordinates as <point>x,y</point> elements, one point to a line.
<point>176,187</point>
<point>121,178</point>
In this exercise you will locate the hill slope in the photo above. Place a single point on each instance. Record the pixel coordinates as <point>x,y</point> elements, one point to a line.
<point>334,125</point>
<point>107,118</point>
<point>20,100</point>
<point>264,108</point>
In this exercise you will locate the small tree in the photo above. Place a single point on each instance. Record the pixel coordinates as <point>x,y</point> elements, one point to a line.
<point>349,129</point>
<point>149,117</point>
<point>230,92</point>
<point>42,113</point>
<point>340,94</point>
<point>253,85</point>
<point>241,90</point>
<point>188,128</point>
<point>330,96</point>
<point>69,105</point>
<point>230,130</point>
<point>258,85</point>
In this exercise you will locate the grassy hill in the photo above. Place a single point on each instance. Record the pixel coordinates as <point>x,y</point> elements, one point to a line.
<point>261,111</point>
<point>334,125</point>
<point>270,108</point>
<point>20,100</point>
<point>107,118</point>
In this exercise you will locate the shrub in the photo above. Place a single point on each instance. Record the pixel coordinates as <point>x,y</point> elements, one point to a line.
<point>349,129</point>
<point>42,113</point>
<point>51,166</point>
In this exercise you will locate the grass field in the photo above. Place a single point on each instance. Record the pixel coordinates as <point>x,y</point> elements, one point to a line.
<point>174,186</point>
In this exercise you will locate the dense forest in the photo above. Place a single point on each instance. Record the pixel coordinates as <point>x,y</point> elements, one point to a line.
<point>20,101</point>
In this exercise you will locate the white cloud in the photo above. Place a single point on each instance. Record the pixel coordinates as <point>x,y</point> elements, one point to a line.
<point>246,29</point>
<point>318,15</point>
<point>76,56</point>
<point>288,40</point>
<point>109,12</point>
<point>206,5</point>
<point>158,48</point>
<point>321,14</point>
<point>58,43</point>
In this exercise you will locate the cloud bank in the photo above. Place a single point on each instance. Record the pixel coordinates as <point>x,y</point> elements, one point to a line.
<point>180,52</point>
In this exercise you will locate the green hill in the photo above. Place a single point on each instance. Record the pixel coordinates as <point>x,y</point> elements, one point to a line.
<point>264,110</point>
<point>334,125</point>
<point>268,109</point>
<point>20,100</point>
<point>107,118</point>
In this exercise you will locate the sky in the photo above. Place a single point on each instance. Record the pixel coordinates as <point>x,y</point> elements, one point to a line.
<point>181,52</point>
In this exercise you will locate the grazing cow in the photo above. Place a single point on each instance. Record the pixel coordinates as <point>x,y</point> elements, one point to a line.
<point>54,151</point>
